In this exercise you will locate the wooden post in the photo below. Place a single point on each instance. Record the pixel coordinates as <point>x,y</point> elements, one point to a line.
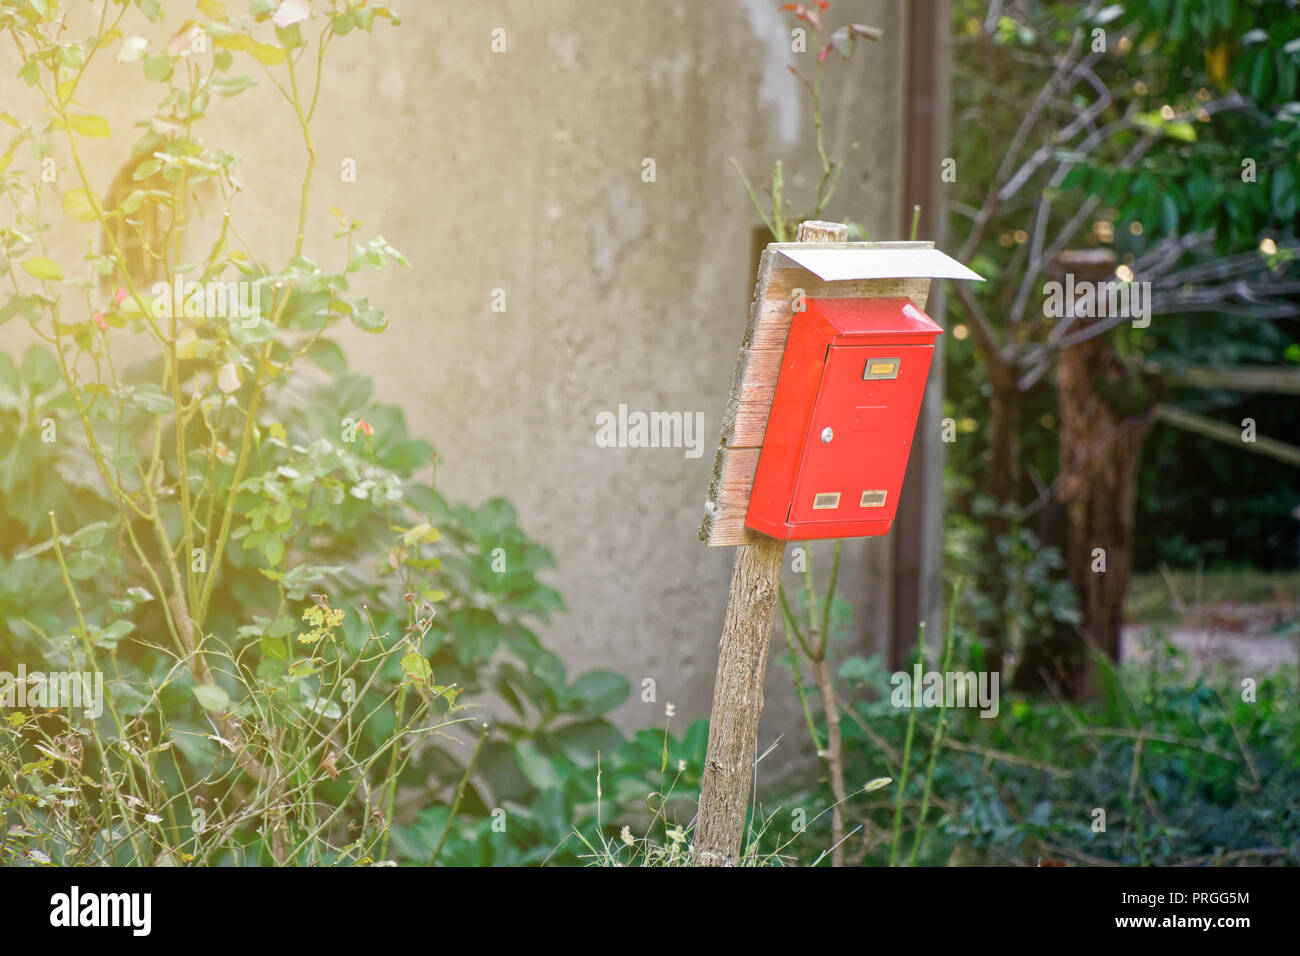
<point>742,667</point>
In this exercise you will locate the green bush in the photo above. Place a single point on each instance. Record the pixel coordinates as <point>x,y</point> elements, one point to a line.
<point>399,544</point>
<point>1185,772</point>
<point>289,619</point>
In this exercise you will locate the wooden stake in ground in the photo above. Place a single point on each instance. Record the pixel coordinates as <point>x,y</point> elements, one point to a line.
<point>742,667</point>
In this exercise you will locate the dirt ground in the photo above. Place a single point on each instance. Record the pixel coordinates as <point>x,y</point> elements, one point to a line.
<point>1249,638</point>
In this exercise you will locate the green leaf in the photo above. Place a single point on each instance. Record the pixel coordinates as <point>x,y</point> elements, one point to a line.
<point>87,124</point>
<point>91,535</point>
<point>84,564</point>
<point>1283,192</point>
<point>43,268</point>
<point>282,626</point>
<point>24,305</point>
<point>580,741</point>
<point>132,203</point>
<point>144,171</point>
<point>10,383</point>
<point>599,692</point>
<point>1078,175</point>
<point>231,85</point>
<point>34,550</point>
<point>328,356</point>
<point>368,319</point>
<point>274,648</point>
<point>268,55</point>
<point>417,668</point>
<point>343,23</point>
<point>109,637</point>
<point>269,544</point>
<point>1180,129</point>
<point>405,456</point>
<point>40,368</point>
<point>152,399</point>
<point>290,37</point>
<point>80,205</point>
<point>213,10</point>
<point>157,68</point>
<point>211,697</point>
<point>420,532</point>
<point>536,768</point>
<point>1261,74</point>
<point>1169,209</point>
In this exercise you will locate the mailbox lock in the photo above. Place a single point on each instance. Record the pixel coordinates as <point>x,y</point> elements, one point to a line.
<point>827,434</point>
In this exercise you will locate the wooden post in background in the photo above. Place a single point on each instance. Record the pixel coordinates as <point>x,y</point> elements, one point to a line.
<point>742,667</point>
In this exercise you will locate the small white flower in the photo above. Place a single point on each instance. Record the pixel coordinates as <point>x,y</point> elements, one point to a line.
<point>291,12</point>
<point>626,835</point>
<point>676,835</point>
<point>152,818</point>
<point>228,378</point>
<point>669,711</point>
<point>133,48</point>
<point>681,766</point>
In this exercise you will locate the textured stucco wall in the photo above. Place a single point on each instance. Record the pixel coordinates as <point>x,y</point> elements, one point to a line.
<point>522,170</point>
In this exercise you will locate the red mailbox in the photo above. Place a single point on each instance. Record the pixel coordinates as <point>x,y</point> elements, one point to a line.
<point>837,440</point>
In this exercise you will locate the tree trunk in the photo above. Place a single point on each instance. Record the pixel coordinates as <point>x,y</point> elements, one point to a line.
<point>1104,416</point>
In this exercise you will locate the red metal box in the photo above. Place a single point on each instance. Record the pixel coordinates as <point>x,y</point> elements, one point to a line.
<point>835,450</point>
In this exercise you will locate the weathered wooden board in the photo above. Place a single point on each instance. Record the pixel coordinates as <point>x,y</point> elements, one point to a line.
<point>754,381</point>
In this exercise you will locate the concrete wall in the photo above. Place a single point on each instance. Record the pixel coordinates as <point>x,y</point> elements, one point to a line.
<point>523,171</point>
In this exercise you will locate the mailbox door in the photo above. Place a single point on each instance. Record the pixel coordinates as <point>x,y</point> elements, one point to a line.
<point>868,398</point>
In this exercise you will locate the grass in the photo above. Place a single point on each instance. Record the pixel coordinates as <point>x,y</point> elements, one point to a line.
<point>1167,595</point>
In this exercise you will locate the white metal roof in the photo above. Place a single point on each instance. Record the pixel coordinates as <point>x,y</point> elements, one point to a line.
<point>836,264</point>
